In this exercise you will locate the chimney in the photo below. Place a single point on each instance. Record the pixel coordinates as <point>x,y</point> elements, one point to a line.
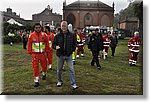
<point>9,10</point>
<point>48,7</point>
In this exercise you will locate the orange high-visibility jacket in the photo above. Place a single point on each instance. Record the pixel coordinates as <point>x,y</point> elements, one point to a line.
<point>38,43</point>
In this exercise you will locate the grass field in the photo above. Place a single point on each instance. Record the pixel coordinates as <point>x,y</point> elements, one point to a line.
<point>115,77</point>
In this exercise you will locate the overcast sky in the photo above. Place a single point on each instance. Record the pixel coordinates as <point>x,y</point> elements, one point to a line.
<point>28,7</point>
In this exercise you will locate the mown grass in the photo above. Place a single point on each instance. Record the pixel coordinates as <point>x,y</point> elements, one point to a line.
<point>115,78</point>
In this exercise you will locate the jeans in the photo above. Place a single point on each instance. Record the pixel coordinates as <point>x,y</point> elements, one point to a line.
<point>60,62</point>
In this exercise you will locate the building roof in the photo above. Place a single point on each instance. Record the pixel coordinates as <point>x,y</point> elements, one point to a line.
<point>88,4</point>
<point>48,12</point>
<point>11,14</point>
<point>130,19</point>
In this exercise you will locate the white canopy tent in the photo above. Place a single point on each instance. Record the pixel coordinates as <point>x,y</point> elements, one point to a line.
<point>12,21</point>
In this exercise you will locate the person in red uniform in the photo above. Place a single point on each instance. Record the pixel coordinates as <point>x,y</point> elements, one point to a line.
<point>106,41</point>
<point>133,45</point>
<point>50,36</point>
<point>80,45</point>
<point>37,46</point>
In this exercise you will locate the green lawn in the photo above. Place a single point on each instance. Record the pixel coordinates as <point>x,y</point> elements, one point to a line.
<point>115,77</point>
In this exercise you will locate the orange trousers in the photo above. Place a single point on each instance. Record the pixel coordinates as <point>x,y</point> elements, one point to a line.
<point>36,59</point>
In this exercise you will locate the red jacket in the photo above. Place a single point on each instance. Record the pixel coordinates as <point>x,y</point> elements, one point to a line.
<point>81,36</point>
<point>134,44</point>
<point>50,38</point>
<point>38,43</point>
<point>106,40</point>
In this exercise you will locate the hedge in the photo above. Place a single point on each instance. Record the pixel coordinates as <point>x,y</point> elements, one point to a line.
<point>17,39</point>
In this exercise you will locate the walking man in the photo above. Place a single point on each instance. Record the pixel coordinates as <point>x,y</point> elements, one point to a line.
<point>24,39</point>
<point>133,45</point>
<point>80,44</point>
<point>11,37</point>
<point>113,43</point>
<point>94,46</point>
<point>37,46</point>
<point>65,43</point>
<point>50,36</point>
<point>106,41</point>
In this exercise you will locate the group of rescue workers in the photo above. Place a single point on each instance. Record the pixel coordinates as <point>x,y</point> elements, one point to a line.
<point>69,46</point>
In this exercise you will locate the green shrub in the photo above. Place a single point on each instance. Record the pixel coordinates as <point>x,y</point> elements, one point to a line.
<point>6,39</point>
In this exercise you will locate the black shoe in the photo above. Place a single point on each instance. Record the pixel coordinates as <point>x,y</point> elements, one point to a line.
<point>50,68</point>
<point>92,64</point>
<point>74,62</point>
<point>36,84</point>
<point>133,65</point>
<point>44,77</point>
<point>130,64</point>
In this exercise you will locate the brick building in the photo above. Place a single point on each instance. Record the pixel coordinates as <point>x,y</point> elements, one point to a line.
<point>88,13</point>
<point>47,17</point>
<point>129,23</point>
<point>7,15</point>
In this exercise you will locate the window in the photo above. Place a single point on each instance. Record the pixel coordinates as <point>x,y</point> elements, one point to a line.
<point>88,17</point>
<point>88,20</point>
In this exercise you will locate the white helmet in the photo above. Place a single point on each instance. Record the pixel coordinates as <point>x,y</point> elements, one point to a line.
<point>136,33</point>
<point>70,27</point>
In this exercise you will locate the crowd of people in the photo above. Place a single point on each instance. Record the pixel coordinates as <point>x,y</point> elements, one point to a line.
<point>69,46</point>
<point>23,34</point>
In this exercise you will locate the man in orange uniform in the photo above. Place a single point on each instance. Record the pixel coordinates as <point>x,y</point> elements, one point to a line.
<point>134,44</point>
<point>37,46</point>
<point>50,36</point>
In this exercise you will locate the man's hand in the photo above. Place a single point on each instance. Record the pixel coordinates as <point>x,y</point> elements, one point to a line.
<point>57,47</point>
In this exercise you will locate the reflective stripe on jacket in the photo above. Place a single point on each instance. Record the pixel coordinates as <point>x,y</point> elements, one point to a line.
<point>134,44</point>
<point>38,47</point>
<point>38,43</point>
